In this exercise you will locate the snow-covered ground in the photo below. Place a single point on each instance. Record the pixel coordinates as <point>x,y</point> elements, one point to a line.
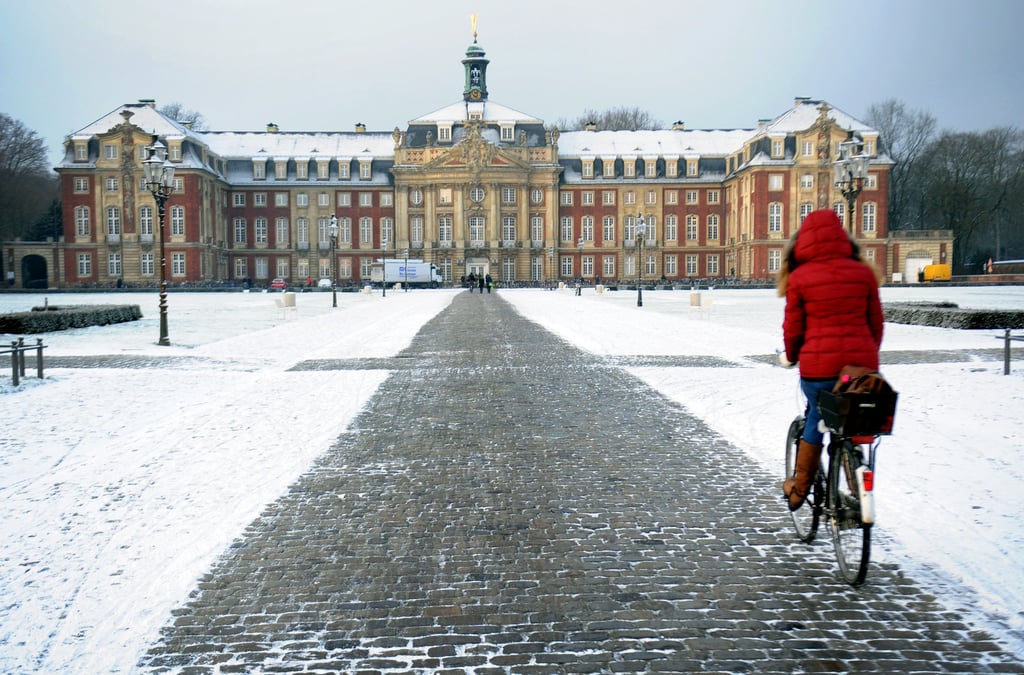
<point>120,486</point>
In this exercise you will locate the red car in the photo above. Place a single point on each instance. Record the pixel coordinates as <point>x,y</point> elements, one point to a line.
<point>278,285</point>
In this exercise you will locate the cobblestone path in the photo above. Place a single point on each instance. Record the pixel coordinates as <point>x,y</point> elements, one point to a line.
<point>509,504</point>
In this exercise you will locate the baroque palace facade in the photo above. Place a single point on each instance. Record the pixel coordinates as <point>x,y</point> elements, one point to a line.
<point>475,187</point>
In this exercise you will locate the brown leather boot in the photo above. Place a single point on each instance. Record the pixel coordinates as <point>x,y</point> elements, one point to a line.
<point>797,487</point>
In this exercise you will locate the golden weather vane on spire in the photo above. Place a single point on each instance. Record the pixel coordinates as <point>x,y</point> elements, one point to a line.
<point>472,20</point>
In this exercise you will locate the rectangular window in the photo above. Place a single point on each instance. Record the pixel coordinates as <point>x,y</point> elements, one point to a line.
<point>241,268</point>
<point>81,185</point>
<point>302,232</point>
<point>588,169</point>
<point>365,232</point>
<point>365,199</point>
<point>651,197</point>
<point>774,259</point>
<point>322,170</point>
<point>871,182</point>
<point>281,230</point>
<point>365,170</point>
<point>282,271</point>
<point>345,199</point>
<point>508,194</point>
<point>587,199</point>
<point>807,181</point>
<point>146,220</point>
<point>260,230</point>
<point>387,231</point>
<point>537,228</point>
<point>565,266</point>
<point>651,168</point>
<point>302,169</point>
<point>807,148</point>
<point>691,265</point>
<point>259,199</point>
<point>82,224</point>
<point>713,196</point>
<point>387,198</point>
<point>81,152</point>
<point>113,220</point>
<point>691,227</point>
<point>416,230</point>
<point>671,227</point>
<point>238,199</point>
<point>113,264</point>
<point>323,199</point>
<point>508,228</point>
<point>867,222</point>
<point>84,265</point>
<point>588,266</point>
<point>672,197</point>
<point>608,229</point>
<point>146,264</point>
<point>262,268</point>
<point>629,198</point>
<point>344,170</point>
<point>565,231</point>
<point>609,167</point>
<point>691,168</point>
<point>239,228</point>
<point>345,230</point>
<point>608,198</point>
<point>345,268</point>
<point>178,264</point>
<point>536,268</point>
<point>507,132</point>
<point>111,184</point>
<point>281,199</point>
<point>691,196</point>
<point>671,266</point>
<point>259,171</point>
<point>302,200</point>
<point>713,227</point>
<point>444,230</point>
<point>629,168</point>
<point>565,199</point>
<point>444,133</point>
<point>587,228</point>
<point>608,267</point>
<point>775,181</point>
<point>712,265</point>
<point>280,168</point>
<point>177,221</point>
<point>775,217</point>
<point>444,196</point>
<point>110,151</point>
<point>777,148</point>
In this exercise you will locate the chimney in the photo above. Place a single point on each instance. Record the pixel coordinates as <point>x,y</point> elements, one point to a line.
<point>271,128</point>
<point>151,102</point>
<point>185,123</point>
<point>799,100</point>
<point>678,125</point>
<point>360,128</point>
<point>590,126</point>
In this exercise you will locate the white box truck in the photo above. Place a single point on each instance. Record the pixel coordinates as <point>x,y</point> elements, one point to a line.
<point>403,271</point>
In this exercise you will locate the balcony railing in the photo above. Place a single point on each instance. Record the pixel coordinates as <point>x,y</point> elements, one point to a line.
<point>302,246</point>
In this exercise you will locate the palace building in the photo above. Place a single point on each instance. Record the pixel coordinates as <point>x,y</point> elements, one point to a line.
<point>475,187</point>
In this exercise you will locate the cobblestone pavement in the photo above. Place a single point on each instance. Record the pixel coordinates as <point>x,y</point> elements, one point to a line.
<point>509,504</point>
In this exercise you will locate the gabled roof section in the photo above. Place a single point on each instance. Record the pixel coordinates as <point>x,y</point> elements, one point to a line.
<point>805,113</point>
<point>144,116</point>
<point>490,112</point>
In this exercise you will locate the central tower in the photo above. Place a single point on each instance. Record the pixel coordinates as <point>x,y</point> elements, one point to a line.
<point>476,71</point>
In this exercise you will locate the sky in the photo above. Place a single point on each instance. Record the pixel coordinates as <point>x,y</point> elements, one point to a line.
<point>107,528</point>
<point>324,65</point>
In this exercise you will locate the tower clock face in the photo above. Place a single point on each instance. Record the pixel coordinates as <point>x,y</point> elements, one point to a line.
<point>475,94</point>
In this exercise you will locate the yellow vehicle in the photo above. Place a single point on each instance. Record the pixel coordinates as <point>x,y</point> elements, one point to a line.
<point>937,273</point>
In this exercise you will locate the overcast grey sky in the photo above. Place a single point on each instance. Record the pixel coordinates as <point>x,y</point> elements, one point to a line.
<point>327,64</point>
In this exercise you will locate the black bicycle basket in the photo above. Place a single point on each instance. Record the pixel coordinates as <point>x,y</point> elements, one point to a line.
<point>859,414</point>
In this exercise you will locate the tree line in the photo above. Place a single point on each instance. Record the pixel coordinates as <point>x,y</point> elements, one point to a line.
<point>969,182</point>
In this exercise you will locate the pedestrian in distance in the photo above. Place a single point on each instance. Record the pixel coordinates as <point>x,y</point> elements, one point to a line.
<point>480,283</point>
<point>490,282</point>
<point>833,318</point>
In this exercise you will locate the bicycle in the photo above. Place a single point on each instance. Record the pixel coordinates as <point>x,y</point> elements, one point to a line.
<point>843,491</point>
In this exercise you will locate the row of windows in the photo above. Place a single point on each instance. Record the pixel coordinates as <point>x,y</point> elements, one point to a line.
<point>587,266</point>
<point>259,199</point>
<point>80,184</point>
<point>868,215</point>
<point>83,220</point>
<point>477,193</point>
<point>776,181</point>
<point>648,168</point>
<point>629,197</point>
<point>608,228</point>
<point>323,169</point>
<point>147,265</point>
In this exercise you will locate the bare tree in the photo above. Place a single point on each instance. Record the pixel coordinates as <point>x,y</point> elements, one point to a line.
<point>27,186</point>
<point>177,112</point>
<point>612,119</point>
<point>904,136</point>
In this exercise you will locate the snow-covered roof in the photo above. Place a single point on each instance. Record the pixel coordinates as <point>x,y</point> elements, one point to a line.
<point>490,112</point>
<point>661,142</point>
<point>144,116</point>
<point>803,115</point>
<point>345,144</point>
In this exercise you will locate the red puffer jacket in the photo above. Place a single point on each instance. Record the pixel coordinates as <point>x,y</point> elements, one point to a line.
<point>833,312</point>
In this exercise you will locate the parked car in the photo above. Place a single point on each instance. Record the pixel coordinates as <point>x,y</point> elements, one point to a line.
<point>324,283</point>
<point>278,285</point>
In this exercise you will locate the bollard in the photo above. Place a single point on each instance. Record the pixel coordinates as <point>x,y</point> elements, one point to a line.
<point>21,356</point>
<point>14,362</point>
<point>39,358</point>
<point>1006,352</point>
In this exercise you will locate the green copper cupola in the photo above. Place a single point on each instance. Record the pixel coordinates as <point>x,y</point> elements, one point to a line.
<point>476,71</point>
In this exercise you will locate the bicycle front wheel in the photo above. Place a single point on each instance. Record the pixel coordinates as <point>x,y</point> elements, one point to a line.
<point>805,518</point>
<point>850,535</point>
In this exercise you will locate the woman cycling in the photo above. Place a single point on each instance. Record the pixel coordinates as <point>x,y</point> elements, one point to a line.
<point>833,319</point>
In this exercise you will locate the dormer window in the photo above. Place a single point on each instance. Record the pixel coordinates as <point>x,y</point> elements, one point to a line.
<point>588,168</point>
<point>444,133</point>
<point>609,166</point>
<point>81,152</point>
<point>508,132</point>
<point>364,169</point>
<point>259,169</point>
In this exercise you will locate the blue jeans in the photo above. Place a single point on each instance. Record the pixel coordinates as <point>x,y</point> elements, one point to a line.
<point>811,388</point>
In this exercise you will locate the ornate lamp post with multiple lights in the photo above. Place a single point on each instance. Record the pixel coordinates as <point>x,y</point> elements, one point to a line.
<point>332,232</point>
<point>160,179</point>
<point>850,171</point>
<point>641,231</point>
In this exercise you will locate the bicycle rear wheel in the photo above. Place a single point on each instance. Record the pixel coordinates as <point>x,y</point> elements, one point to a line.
<point>850,535</point>
<point>805,518</point>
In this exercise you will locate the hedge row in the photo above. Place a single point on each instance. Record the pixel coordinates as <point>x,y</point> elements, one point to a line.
<point>949,315</point>
<point>53,318</point>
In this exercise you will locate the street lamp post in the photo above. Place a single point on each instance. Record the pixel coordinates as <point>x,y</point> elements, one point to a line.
<point>850,171</point>
<point>406,270</point>
<point>641,230</point>
<point>160,179</point>
<point>333,233</point>
<point>579,282</point>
